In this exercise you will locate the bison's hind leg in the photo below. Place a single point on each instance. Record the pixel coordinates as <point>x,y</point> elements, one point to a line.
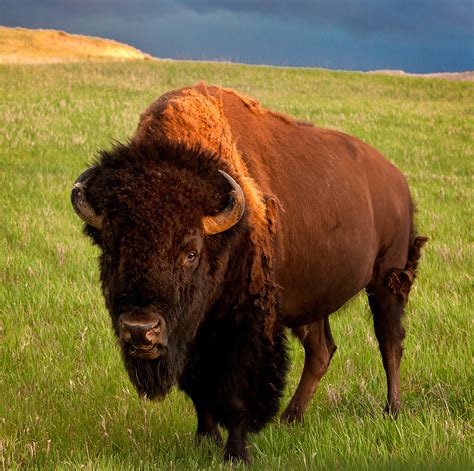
<point>387,309</point>
<point>388,295</point>
<point>319,348</point>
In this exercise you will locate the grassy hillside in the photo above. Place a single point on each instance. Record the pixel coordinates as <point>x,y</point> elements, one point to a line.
<point>25,46</point>
<point>66,401</point>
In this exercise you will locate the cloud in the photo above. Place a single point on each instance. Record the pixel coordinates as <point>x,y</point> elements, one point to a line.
<point>362,18</point>
<point>40,12</point>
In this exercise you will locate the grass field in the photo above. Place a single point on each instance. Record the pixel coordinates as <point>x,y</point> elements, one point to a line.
<point>65,399</point>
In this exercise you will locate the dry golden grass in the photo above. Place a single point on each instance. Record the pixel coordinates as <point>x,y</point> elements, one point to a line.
<point>25,46</point>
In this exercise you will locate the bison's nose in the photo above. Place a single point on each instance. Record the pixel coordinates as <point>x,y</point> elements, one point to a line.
<point>145,332</point>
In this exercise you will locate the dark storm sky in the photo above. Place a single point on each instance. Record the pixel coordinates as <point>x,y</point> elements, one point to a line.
<point>414,35</point>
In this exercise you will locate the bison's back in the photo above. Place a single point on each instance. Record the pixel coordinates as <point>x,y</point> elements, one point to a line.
<point>343,205</point>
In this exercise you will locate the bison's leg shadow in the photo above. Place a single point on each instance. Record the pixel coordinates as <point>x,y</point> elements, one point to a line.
<point>319,348</point>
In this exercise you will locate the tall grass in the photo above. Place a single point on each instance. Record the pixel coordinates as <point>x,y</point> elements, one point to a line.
<point>65,400</point>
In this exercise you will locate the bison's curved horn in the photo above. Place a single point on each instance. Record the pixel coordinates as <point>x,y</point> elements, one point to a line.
<point>231,215</point>
<point>79,201</point>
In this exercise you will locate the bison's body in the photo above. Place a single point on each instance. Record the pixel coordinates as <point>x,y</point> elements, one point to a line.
<point>326,216</point>
<point>342,205</point>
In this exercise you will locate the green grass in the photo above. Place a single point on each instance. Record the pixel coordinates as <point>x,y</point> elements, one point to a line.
<point>65,399</point>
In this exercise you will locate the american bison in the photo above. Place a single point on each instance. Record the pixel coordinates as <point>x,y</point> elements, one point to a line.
<point>220,223</point>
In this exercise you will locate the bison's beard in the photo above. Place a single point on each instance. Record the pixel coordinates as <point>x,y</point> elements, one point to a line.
<point>154,378</point>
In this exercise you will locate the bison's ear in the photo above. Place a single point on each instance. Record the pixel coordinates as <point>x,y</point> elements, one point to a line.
<point>229,216</point>
<point>79,200</point>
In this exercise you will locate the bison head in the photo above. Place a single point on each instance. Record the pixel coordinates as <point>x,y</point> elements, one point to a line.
<point>162,218</point>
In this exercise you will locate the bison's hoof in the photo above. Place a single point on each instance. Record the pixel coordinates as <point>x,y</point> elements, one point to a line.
<point>292,415</point>
<point>392,409</point>
<point>213,435</point>
<point>236,456</point>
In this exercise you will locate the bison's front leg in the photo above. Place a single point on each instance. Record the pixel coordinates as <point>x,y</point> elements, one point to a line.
<point>207,426</point>
<point>236,446</point>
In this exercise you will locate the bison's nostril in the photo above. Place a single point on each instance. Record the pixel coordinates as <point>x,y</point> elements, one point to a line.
<point>125,334</point>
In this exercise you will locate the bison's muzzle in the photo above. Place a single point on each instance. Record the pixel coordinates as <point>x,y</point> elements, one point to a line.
<point>143,333</point>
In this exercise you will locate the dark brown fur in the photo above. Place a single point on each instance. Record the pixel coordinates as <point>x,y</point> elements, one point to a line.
<point>326,217</point>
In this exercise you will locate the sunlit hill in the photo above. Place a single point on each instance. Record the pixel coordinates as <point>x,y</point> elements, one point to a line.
<point>18,45</point>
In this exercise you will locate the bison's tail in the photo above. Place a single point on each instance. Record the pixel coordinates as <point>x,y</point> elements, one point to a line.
<point>401,280</point>
<point>414,252</point>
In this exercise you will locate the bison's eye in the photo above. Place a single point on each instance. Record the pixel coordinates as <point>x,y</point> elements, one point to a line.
<point>191,257</point>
